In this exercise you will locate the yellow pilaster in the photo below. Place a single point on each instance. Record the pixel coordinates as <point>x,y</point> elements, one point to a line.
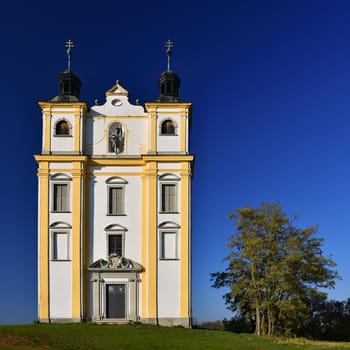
<point>76,237</point>
<point>152,239</point>
<point>77,133</point>
<point>47,138</point>
<point>144,309</point>
<point>153,147</point>
<point>43,174</point>
<point>184,240</point>
<point>183,134</point>
<point>86,241</point>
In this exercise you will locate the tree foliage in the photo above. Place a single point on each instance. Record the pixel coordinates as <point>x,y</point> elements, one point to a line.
<point>274,268</point>
<point>327,320</point>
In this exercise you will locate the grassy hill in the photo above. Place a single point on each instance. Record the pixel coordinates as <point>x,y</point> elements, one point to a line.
<point>129,337</point>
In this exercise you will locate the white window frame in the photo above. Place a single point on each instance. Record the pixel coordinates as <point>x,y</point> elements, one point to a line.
<point>168,228</point>
<point>118,211</point>
<point>60,179</point>
<point>60,228</point>
<point>54,248</point>
<point>163,254</point>
<point>169,200</point>
<point>168,180</point>
<point>121,235</point>
<point>112,230</point>
<point>116,182</point>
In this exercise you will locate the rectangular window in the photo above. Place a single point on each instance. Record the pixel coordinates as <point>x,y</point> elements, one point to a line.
<point>60,246</point>
<point>169,198</point>
<point>115,244</point>
<point>60,197</point>
<point>168,245</point>
<point>116,200</point>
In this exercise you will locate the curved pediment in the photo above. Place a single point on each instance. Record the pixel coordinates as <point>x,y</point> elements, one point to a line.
<point>169,224</point>
<point>61,225</point>
<point>115,227</point>
<point>116,180</point>
<point>169,177</point>
<point>60,177</point>
<point>115,263</point>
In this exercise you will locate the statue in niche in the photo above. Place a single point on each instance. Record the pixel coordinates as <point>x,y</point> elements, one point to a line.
<point>117,138</point>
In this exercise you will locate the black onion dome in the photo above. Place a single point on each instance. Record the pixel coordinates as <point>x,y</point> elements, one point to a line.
<point>169,84</point>
<point>69,87</point>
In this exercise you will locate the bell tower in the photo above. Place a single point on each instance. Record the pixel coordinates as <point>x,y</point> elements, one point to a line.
<point>61,201</point>
<point>171,167</point>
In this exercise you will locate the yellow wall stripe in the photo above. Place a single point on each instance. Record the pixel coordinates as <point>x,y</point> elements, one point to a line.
<point>77,133</point>
<point>152,239</point>
<point>153,147</point>
<point>76,231</point>
<point>43,174</point>
<point>144,310</point>
<point>185,241</point>
<point>47,137</point>
<point>183,134</point>
<point>86,242</point>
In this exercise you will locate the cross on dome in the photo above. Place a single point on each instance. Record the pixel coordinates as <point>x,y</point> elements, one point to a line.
<point>69,46</point>
<point>169,45</point>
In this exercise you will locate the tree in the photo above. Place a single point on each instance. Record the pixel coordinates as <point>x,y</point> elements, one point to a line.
<point>273,269</point>
<point>328,320</point>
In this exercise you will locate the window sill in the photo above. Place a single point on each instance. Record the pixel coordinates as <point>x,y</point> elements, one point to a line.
<point>169,259</point>
<point>168,135</point>
<point>62,136</point>
<point>61,211</point>
<point>169,212</point>
<point>116,214</point>
<point>59,260</point>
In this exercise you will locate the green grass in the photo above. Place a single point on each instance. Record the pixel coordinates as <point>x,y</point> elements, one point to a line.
<point>129,337</point>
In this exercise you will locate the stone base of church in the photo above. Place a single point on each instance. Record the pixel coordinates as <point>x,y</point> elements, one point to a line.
<point>59,320</point>
<point>169,321</point>
<point>163,321</point>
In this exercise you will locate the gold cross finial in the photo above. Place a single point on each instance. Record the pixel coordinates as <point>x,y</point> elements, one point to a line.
<point>69,46</point>
<point>169,45</point>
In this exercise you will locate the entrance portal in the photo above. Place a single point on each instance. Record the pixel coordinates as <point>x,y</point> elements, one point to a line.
<point>115,301</point>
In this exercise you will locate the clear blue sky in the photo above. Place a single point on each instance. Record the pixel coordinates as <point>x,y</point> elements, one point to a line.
<point>270,86</point>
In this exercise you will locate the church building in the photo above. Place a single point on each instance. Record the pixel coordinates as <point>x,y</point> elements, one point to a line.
<point>114,206</point>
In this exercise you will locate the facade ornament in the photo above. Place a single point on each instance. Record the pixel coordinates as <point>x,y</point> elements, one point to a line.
<point>115,261</point>
<point>117,139</point>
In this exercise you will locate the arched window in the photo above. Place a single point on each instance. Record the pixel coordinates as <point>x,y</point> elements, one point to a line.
<point>60,241</point>
<point>116,195</point>
<point>115,235</point>
<point>60,187</point>
<point>168,240</point>
<point>168,127</point>
<point>168,193</point>
<point>62,128</point>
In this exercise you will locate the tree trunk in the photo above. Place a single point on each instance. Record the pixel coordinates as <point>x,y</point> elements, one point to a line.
<point>257,321</point>
<point>263,324</point>
<point>270,322</point>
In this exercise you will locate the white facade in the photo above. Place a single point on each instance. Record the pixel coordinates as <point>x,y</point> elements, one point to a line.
<point>114,211</point>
